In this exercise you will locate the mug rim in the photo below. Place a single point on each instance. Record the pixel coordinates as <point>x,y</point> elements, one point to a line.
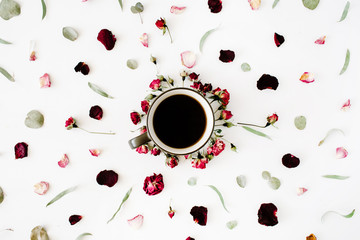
<point>187,89</point>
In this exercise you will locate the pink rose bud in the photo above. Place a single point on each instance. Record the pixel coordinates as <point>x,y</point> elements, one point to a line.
<point>171,213</point>
<point>155,84</point>
<point>153,184</point>
<point>226,115</point>
<point>160,23</point>
<point>45,81</point>
<point>135,117</point>
<point>64,161</point>
<point>143,149</point>
<point>41,188</point>
<point>145,105</point>
<point>155,151</point>
<point>172,161</point>
<point>94,152</point>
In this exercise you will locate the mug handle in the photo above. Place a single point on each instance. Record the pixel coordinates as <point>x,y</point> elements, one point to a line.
<point>139,140</point>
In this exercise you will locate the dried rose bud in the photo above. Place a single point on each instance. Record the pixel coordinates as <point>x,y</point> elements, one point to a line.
<point>135,117</point>
<point>226,115</point>
<point>70,123</point>
<point>190,238</point>
<point>153,184</point>
<point>290,161</point>
<point>32,56</point>
<point>155,84</point>
<point>73,219</point>
<point>41,188</point>
<point>171,213</point>
<point>218,147</point>
<point>207,87</point>
<point>222,95</point>
<point>94,152</point>
<point>199,162</point>
<point>199,215</point>
<point>279,39</point>
<point>45,81</point>
<point>215,5</point>
<point>272,119</point>
<point>226,56</point>
<point>155,151</point>
<point>82,67</point>
<point>311,237</point>
<point>107,177</point>
<point>267,81</point>
<point>143,149</point>
<point>145,105</point>
<point>143,129</point>
<point>172,161</point>
<point>96,112</point>
<point>160,24</point>
<point>136,222</point>
<point>64,161</point>
<point>21,150</point>
<point>106,37</point>
<point>193,76</point>
<point>267,214</point>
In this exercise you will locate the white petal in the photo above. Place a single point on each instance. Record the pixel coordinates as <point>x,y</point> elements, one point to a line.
<point>188,59</point>
<point>136,222</point>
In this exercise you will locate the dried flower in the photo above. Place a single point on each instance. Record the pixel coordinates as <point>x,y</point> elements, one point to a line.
<point>135,117</point>
<point>272,119</point>
<point>311,237</point>
<point>225,115</point>
<point>267,214</point>
<point>161,24</point>
<point>199,215</point>
<point>82,67</point>
<point>94,152</point>
<point>136,222</point>
<point>171,213</point>
<point>143,149</point>
<point>106,37</point>
<point>45,81</point>
<point>194,77</point>
<point>199,162</point>
<point>41,188</point>
<point>73,219</point>
<point>190,238</point>
<point>226,56</point>
<point>222,95</point>
<point>71,123</point>
<point>177,10</point>
<point>188,59</point>
<point>143,129</point>
<point>32,56</point>
<point>155,84</point>
<point>107,177</point>
<point>144,39</point>
<point>96,112</point>
<point>21,150</point>
<point>215,5</point>
<point>217,148</point>
<point>64,161</point>
<point>155,151</point>
<point>341,153</point>
<point>145,105</point>
<point>153,184</point>
<point>172,161</point>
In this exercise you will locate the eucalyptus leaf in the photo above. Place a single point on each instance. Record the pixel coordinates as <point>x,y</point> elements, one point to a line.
<point>329,133</point>
<point>126,197</point>
<point>346,63</point>
<point>231,224</point>
<point>266,175</point>
<point>300,122</point>
<point>132,64</point>
<point>204,37</point>
<point>1,195</point>
<point>275,3</point>
<point>337,177</point>
<point>43,8</point>
<point>350,215</point>
<point>121,4</point>
<point>219,194</point>
<point>34,119</point>
<point>311,4</point>
<point>241,181</point>
<point>192,181</point>
<point>4,41</point>
<point>274,183</point>
<point>39,233</point>
<point>245,67</point>
<point>60,195</point>
<point>256,132</point>
<point>6,74</point>
<point>9,9</point>
<point>70,33</point>
<point>345,12</point>
<point>139,7</point>
<point>98,90</point>
<point>81,236</point>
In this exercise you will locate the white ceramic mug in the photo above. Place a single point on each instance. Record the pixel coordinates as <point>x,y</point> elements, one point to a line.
<point>150,135</point>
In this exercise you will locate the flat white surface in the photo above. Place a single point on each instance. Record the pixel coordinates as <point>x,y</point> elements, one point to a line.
<point>248,33</point>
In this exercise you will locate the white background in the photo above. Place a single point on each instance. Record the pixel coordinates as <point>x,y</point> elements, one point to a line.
<point>250,35</point>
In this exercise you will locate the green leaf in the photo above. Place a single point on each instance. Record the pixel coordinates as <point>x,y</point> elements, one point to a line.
<point>4,42</point>
<point>43,9</point>
<point>219,194</point>
<point>34,119</point>
<point>1,195</point>
<point>204,37</point>
<point>338,177</point>
<point>330,132</point>
<point>132,64</point>
<point>256,132</point>
<point>231,224</point>
<point>121,4</point>
<point>266,175</point>
<point>275,3</point>
<point>39,233</point>
<point>350,215</point>
<point>345,12</point>
<point>245,67</point>
<point>274,183</point>
<point>346,63</point>
<point>6,74</point>
<point>60,195</point>
<point>83,235</point>
<point>127,195</point>
<point>192,181</point>
<point>98,90</point>
<point>311,4</point>
<point>9,9</point>
<point>139,7</point>
<point>241,181</point>
<point>70,33</point>
<point>300,122</point>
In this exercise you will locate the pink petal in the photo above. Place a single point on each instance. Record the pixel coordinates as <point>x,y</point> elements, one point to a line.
<point>41,188</point>
<point>346,105</point>
<point>307,77</point>
<point>144,40</point>
<point>95,152</point>
<point>45,81</point>
<point>177,10</point>
<point>254,4</point>
<point>136,222</point>
<point>341,153</point>
<point>320,40</point>
<point>188,59</point>
<point>32,56</point>
<point>301,191</point>
<point>64,161</point>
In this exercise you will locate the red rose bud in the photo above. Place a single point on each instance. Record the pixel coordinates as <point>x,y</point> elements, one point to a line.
<point>73,219</point>
<point>223,95</point>
<point>82,67</point>
<point>267,81</point>
<point>70,123</point>
<point>135,117</point>
<point>215,5</point>
<point>96,112</point>
<point>21,150</point>
<point>290,161</point>
<point>226,115</point>
<point>155,151</point>
<point>218,147</point>
<point>107,39</point>
<point>143,149</point>
<point>279,39</point>
<point>198,86</point>
<point>193,76</point>
<point>199,215</point>
<point>107,177</point>
<point>207,87</point>
<point>161,24</point>
<point>145,105</point>
<point>155,84</point>
<point>153,184</point>
<point>267,214</point>
<point>172,161</point>
<point>226,56</point>
<point>272,119</point>
<point>171,213</point>
<point>143,130</point>
<point>199,162</point>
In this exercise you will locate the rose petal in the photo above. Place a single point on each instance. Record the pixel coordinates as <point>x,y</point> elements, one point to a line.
<point>199,215</point>
<point>188,59</point>
<point>107,177</point>
<point>215,6</point>
<point>45,81</point>
<point>307,77</point>
<point>82,67</point>
<point>144,40</point>
<point>267,81</point>
<point>177,10</point>
<point>136,222</point>
<point>267,214</point>
<point>346,105</point>
<point>41,188</point>
<point>106,37</point>
<point>190,238</point>
<point>96,112</point>
<point>21,150</point>
<point>32,56</point>
<point>226,56</point>
<point>320,40</point>
<point>279,39</point>
<point>94,152</point>
<point>301,191</point>
<point>73,219</point>
<point>341,153</point>
<point>64,161</point>
<point>290,161</point>
<point>254,4</point>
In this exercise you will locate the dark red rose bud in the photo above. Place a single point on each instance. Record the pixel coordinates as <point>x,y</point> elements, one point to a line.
<point>21,150</point>
<point>199,215</point>
<point>135,117</point>
<point>153,184</point>
<point>279,39</point>
<point>145,105</point>
<point>82,67</point>
<point>193,76</point>
<point>190,238</point>
<point>215,5</point>
<point>198,86</point>
<point>207,87</point>
<point>73,219</point>
<point>226,56</point>
<point>107,39</point>
<point>267,214</point>
<point>290,161</point>
<point>267,81</point>
<point>107,177</point>
<point>161,24</point>
<point>96,112</point>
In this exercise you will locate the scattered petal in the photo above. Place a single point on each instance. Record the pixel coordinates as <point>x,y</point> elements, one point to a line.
<point>346,63</point>
<point>39,233</point>
<point>60,195</point>
<point>267,81</point>
<point>188,59</point>
<point>45,81</point>
<point>21,150</point>
<point>226,56</point>
<point>341,153</point>
<point>311,4</point>
<point>311,237</point>
<point>279,39</point>
<point>267,214</point>
<point>307,77</point>
<point>70,33</point>
<point>64,161</point>
<point>136,222</point>
<point>345,11</point>
<point>241,181</point>
<point>154,184</point>
<point>144,39</point>
<point>73,219</point>
<point>171,213</point>
<point>290,161</point>
<point>231,224</point>
<point>107,177</point>
<point>9,9</point>
<point>215,5</point>
<point>132,64</point>
<point>125,198</point>
<point>320,40</point>
<point>94,152</point>
<point>350,215</point>
<point>177,10</point>
<point>301,191</point>
<point>245,67</point>
<point>106,37</point>
<point>220,196</point>
<point>82,67</point>
<point>199,215</point>
<point>34,119</point>
<point>300,122</point>
<point>41,188</point>
<point>254,4</point>
<point>346,105</point>
<point>96,112</point>
<point>32,56</point>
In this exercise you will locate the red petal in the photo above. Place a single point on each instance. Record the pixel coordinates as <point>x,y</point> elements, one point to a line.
<point>107,177</point>
<point>267,214</point>
<point>226,56</point>
<point>290,161</point>
<point>279,39</point>
<point>21,150</point>
<point>73,219</point>
<point>106,37</point>
<point>96,112</point>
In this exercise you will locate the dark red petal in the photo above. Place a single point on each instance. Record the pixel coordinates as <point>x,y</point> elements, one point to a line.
<point>215,5</point>
<point>267,214</point>
<point>85,69</point>
<point>78,66</point>
<point>190,238</point>
<point>73,219</point>
<point>107,177</point>
<point>21,150</point>
<point>226,56</point>
<point>267,81</point>
<point>106,37</point>
<point>96,112</point>
<point>290,161</point>
<point>279,39</point>
<point>199,215</point>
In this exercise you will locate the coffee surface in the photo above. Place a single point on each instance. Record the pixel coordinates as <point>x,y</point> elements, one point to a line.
<point>179,121</point>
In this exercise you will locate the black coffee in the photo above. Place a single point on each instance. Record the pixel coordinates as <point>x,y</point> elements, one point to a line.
<point>179,121</point>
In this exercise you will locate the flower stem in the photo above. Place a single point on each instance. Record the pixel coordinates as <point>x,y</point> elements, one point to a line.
<point>253,125</point>
<point>141,18</point>
<point>110,133</point>
<point>169,34</point>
